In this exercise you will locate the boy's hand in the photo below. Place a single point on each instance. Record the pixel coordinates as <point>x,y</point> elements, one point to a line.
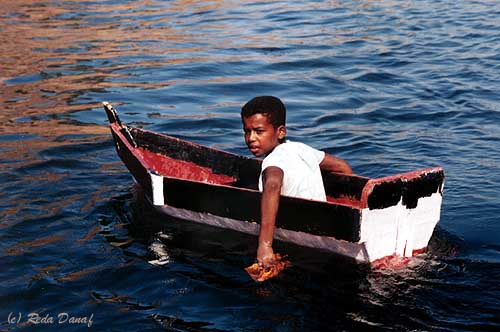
<point>265,253</point>
<point>260,272</point>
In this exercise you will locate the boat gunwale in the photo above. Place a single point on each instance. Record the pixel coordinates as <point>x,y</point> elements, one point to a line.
<point>362,203</point>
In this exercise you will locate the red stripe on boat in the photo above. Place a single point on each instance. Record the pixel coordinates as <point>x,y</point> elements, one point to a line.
<point>170,167</point>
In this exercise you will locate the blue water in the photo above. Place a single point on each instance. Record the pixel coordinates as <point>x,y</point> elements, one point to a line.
<point>390,86</point>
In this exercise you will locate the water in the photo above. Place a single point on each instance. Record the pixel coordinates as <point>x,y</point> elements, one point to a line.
<point>389,86</point>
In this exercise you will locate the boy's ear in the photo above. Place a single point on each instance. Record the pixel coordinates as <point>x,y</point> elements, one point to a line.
<point>281,132</point>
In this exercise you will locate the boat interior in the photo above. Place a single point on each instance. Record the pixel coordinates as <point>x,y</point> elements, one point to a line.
<point>173,157</point>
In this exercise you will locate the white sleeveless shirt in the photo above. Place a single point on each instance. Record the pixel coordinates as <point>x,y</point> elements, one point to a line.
<point>301,173</point>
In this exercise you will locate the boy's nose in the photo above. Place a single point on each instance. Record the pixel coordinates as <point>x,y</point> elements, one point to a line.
<point>252,136</point>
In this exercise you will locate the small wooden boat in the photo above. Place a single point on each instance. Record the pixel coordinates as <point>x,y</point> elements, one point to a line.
<point>365,219</point>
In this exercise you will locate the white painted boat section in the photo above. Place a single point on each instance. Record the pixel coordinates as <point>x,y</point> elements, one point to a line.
<point>424,219</point>
<point>379,230</point>
<point>157,185</point>
<point>397,230</point>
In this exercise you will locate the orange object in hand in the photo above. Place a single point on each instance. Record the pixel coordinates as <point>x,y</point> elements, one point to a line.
<point>260,272</point>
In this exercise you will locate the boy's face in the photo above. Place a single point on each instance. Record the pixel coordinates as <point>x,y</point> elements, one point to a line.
<point>260,135</point>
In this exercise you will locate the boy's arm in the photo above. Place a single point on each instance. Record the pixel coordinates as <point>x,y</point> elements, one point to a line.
<point>272,179</point>
<point>335,165</point>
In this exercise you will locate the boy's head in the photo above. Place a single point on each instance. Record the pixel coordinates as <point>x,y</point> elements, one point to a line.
<point>269,106</point>
<point>264,124</point>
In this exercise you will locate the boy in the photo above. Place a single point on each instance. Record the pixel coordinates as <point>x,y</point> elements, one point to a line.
<point>289,168</point>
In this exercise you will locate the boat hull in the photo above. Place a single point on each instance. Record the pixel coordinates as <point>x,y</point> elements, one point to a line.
<point>393,231</point>
<point>364,219</point>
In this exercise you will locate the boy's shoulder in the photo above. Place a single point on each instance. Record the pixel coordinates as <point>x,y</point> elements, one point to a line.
<point>294,155</point>
<point>290,145</point>
<point>294,147</point>
<point>286,150</point>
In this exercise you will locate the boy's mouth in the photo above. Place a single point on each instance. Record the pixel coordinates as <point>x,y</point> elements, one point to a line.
<point>254,149</point>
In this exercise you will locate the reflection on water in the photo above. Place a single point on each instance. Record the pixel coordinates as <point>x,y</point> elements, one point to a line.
<point>390,86</point>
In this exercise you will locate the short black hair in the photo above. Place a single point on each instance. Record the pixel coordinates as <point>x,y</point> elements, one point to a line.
<point>270,106</point>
